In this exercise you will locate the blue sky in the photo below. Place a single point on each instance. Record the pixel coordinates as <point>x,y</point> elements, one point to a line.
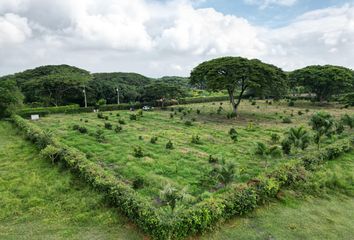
<point>272,16</point>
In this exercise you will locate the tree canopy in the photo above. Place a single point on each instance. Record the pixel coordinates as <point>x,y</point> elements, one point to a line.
<point>324,81</point>
<point>10,96</point>
<point>53,84</point>
<point>236,75</point>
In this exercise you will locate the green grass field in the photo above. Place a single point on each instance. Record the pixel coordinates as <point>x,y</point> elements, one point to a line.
<point>39,200</point>
<point>185,166</point>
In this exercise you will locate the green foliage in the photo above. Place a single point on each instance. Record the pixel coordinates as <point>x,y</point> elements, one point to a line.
<point>101,102</point>
<point>291,104</point>
<point>287,120</point>
<point>108,125</point>
<point>188,123</point>
<point>138,183</point>
<point>133,117</point>
<point>118,129</point>
<point>153,140</point>
<point>233,134</point>
<point>121,121</point>
<point>239,74</point>
<point>324,81</point>
<point>348,120</point>
<point>138,152</point>
<point>213,159</point>
<point>170,196</point>
<point>53,85</point>
<point>286,146</point>
<point>298,137</point>
<point>196,139</point>
<point>99,135</point>
<point>275,138</point>
<point>10,97</point>
<point>169,145</point>
<point>323,123</point>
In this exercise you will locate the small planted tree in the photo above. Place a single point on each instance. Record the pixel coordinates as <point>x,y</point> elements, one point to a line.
<point>299,137</point>
<point>118,129</point>
<point>348,120</point>
<point>275,138</point>
<point>108,125</point>
<point>196,139</point>
<point>266,152</point>
<point>227,173</point>
<point>138,152</point>
<point>322,123</point>
<point>99,135</point>
<point>169,145</point>
<point>233,134</point>
<point>153,140</point>
<point>170,196</point>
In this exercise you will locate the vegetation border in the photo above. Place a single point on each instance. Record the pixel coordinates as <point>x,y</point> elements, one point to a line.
<point>237,200</point>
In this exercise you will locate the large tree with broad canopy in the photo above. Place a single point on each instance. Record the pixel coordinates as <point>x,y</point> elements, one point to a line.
<point>237,75</point>
<point>324,81</point>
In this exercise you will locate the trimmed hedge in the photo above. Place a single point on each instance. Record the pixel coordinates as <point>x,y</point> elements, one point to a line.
<point>238,199</point>
<point>42,111</point>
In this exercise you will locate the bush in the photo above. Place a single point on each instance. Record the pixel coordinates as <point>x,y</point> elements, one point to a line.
<point>169,145</point>
<point>118,129</point>
<point>153,140</point>
<point>76,127</point>
<point>275,138</point>
<point>138,152</point>
<point>171,115</point>
<point>286,146</point>
<point>133,117</point>
<point>82,129</point>
<point>254,103</point>
<point>188,123</point>
<point>198,111</point>
<point>138,183</point>
<point>140,113</point>
<point>291,104</point>
<point>233,134</point>
<point>231,115</point>
<point>100,115</point>
<point>213,159</point>
<point>108,125</point>
<point>121,121</point>
<point>348,120</point>
<point>300,113</point>
<point>287,120</point>
<point>117,115</point>
<point>196,139</point>
<point>99,135</point>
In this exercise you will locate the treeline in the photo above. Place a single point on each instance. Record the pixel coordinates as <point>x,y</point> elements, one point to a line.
<point>57,85</point>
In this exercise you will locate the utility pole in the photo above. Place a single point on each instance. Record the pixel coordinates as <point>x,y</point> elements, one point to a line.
<point>117,89</point>
<point>84,91</point>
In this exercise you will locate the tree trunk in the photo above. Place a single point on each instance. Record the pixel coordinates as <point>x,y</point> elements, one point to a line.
<point>232,100</point>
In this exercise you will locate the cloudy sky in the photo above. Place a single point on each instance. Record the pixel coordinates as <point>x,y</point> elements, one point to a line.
<point>170,37</point>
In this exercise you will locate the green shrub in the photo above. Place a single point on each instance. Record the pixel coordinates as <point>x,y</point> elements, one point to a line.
<point>100,115</point>
<point>275,138</point>
<point>118,129</point>
<point>300,113</point>
<point>170,196</point>
<point>153,140</point>
<point>348,120</point>
<point>99,135</point>
<point>169,145</point>
<point>231,115</point>
<point>76,127</point>
<point>287,120</point>
<point>117,115</point>
<point>133,117</point>
<point>196,139</point>
<point>291,104</point>
<point>140,113</point>
<point>121,121</point>
<point>198,111</point>
<point>188,123</point>
<point>171,115</point>
<point>213,159</point>
<point>138,183</point>
<point>138,152</point>
<point>82,129</point>
<point>108,125</point>
<point>286,146</point>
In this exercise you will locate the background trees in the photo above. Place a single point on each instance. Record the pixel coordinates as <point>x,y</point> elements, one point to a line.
<point>236,75</point>
<point>53,85</point>
<point>324,81</point>
<point>10,96</point>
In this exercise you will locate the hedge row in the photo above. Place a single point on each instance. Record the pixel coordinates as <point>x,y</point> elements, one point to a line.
<point>237,200</point>
<point>42,111</point>
<point>243,198</point>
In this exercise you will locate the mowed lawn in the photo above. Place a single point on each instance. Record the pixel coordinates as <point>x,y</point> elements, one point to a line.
<point>39,200</point>
<point>185,166</point>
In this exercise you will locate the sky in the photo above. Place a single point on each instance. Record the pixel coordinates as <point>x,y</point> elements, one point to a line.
<point>171,37</point>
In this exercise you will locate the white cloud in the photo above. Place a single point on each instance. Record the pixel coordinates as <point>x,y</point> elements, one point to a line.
<point>13,29</point>
<point>163,38</point>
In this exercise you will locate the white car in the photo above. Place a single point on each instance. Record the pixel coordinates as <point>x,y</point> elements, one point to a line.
<point>146,108</point>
